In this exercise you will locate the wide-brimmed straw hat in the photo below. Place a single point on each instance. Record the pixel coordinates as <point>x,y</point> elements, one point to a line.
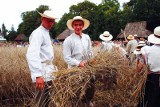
<point>48,14</point>
<point>141,44</point>
<point>85,21</point>
<point>135,35</point>
<point>155,38</point>
<point>137,51</point>
<point>106,36</point>
<point>130,37</point>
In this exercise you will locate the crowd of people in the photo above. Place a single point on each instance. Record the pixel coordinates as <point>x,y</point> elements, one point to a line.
<point>77,50</point>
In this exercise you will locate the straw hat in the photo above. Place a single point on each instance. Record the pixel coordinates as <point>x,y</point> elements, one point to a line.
<point>135,35</point>
<point>106,36</point>
<point>137,51</point>
<point>48,14</point>
<point>155,38</point>
<point>85,21</point>
<point>141,44</point>
<point>130,37</point>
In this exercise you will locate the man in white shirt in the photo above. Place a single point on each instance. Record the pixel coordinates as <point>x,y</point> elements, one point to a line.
<point>77,49</point>
<point>107,43</point>
<point>131,46</point>
<point>152,59</point>
<point>40,56</point>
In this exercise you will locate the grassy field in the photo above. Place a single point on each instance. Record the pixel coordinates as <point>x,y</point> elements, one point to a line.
<point>16,88</point>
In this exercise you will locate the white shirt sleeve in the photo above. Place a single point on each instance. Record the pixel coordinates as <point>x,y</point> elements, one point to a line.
<point>33,54</point>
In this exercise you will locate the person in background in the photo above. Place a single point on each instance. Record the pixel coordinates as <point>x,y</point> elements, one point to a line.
<point>77,50</point>
<point>107,43</point>
<point>40,56</point>
<point>152,86</point>
<point>136,37</point>
<point>139,58</point>
<point>131,46</point>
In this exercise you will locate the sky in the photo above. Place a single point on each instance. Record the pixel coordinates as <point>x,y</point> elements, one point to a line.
<point>10,10</point>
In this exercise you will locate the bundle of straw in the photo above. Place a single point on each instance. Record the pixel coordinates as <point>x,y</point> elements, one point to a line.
<point>122,81</point>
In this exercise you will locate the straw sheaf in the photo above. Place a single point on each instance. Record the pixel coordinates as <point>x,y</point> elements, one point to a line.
<point>70,85</point>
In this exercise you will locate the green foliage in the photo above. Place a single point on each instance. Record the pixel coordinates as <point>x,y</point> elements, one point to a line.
<point>31,20</point>
<point>11,34</point>
<point>61,26</point>
<point>149,12</point>
<point>150,8</point>
<point>125,16</point>
<point>107,16</point>
<point>4,30</point>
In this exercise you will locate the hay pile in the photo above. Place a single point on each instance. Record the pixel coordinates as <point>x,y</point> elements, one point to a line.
<point>122,88</point>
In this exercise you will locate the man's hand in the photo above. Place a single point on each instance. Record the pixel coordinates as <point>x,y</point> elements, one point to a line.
<point>40,83</point>
<point>82,64</point>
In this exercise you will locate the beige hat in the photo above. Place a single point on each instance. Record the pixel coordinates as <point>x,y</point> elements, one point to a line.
<point>48,14</point>
<point>130,37</point>
<point>135,35</point>
<point>106,36</point>
<point>137,51</point>
<point>141,44</point>
<point>155,38</point>
<point>85,21</point>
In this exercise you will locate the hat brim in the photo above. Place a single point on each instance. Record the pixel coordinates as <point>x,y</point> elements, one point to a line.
<point>130,38</point>
<point>85,21</point>
<point>141,45</point>
<point>105,38</point>
<point>49,17</point>
<point>153,39</point>
<point>137,52</point>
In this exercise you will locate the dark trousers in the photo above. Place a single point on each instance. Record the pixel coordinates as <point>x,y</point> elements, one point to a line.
<point>42,97</point>
<point>152,92</point>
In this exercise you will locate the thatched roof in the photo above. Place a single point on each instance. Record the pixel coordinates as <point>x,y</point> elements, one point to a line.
<point>64,34</point>
<point>138,28</point>
<point>20,37</point>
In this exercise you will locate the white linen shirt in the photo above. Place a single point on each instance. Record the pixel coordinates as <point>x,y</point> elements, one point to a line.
<point>131,46</point>
<point>106,46</point>
<point>77,49</point>
<point>152,56</point>
<point>40,50</point>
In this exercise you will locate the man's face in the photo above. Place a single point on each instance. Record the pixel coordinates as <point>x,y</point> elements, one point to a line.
<point>47,23</point>
<point>78,26</point>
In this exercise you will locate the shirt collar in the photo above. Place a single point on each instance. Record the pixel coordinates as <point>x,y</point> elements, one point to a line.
<point>43,28</point>
<point>78,35</point>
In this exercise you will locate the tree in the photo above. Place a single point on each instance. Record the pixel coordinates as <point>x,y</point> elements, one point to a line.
<point>110,10</point>
<point>125,16</point>
<point>89,11</point>
<point>150,8</point>
<point>61,25</point>
<point>4,30</point>
<point>31,20</point>
<point>11,34</point>
<point>149,12</point>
